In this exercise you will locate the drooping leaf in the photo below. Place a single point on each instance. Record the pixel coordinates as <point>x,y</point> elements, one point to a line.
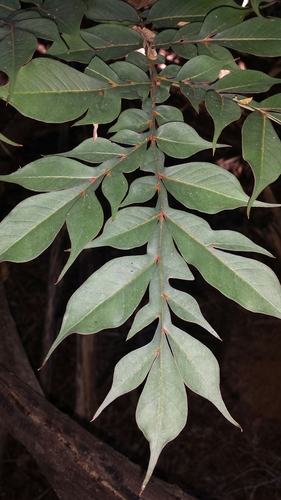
<point>107,298</point>
<point>179,140</point>
<point>198,367</point>
<point>130,372</point>
<point>162,408</point>
<point>246,281</point>
<point>132,227</point>
<point>262,150</point>
<point>84,220</point>
<point>194,93</point>
<point>37,221</point>
<point>223,112</point>
<point>114,188</point>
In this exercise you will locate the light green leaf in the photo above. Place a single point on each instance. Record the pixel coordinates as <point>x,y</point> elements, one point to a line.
<point>249,81</point>
<point>111,10</point>
<point>84,220</point>
<point>132,227</point>
<point>38,98</point>
<point>200,69</point>
<point>187,308</point>
<point>262,150</point>
<point>162,409</point>
<point>179,140</point>
<point>204,187</point>
<point>96,151</point>
<point>198,367</point>
<point>153,159</point>
<point>260,37</point>
<point>141,190</point>
<point>114,188</point>
<point>107,298</point>
<point>33,224</point>
<point>223,112</point>
<point>130,372</point>
<point>51,173</point>
<point>248,282</point>
<point>161,14</point>
<point>150,312</point>
<point>111,41</point>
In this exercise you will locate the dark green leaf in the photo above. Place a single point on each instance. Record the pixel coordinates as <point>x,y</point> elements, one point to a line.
<point>255,36</point>
<point>200,69</point>
<point>111,10</point>
<point>250,81</point>
<point>111,41</point>
<point>262,150</point>
<point>66,13</point>
<point>195,94</point>
<point>114,188</point>
<point>162,15</point>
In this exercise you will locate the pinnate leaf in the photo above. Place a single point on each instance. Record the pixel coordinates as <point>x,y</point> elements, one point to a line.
<point>179,140</point>
<point>223,112</point>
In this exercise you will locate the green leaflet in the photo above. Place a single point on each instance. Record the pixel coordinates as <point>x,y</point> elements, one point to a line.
<point>50,174</point>
<point>246,281</point>
<point>130,372</point>
<point>107,298</point>
<point>96,151</point>
<point>179,140</point>
<point>111,10</point>
<point>262,149</point>
<point>159,417</point>
<point>200,69</point>
<point>37,221</point>
<point>161,16</point>
<point>84,220</point>
<point>257,36</point>
<point>249,81</point>
<point>198,367</point>
<point>8,141</point>
<point>223,112</point>
<point>111,41</point>
<point>132,227</point>
<point>205,187</point>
